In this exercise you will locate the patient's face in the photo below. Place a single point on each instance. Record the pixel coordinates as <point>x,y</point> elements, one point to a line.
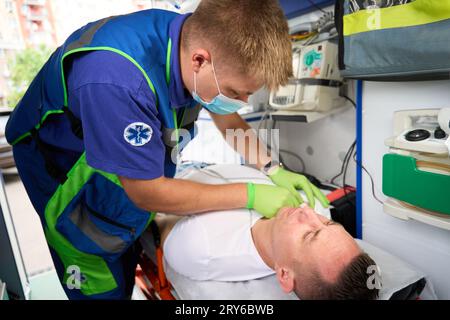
<point>303,237</point>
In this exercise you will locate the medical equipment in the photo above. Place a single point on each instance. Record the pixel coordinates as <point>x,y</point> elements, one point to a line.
<point>316,82</point>
<point>421,131</point>
<point>416,171</point>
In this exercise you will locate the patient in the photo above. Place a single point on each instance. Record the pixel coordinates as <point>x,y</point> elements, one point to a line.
<point>310,254</point>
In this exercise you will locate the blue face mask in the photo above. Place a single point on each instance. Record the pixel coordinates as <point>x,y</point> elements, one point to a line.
<point>221,104</point>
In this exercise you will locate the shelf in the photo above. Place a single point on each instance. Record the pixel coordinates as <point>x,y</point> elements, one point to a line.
<point>401,211</point>
<point>304,116</point>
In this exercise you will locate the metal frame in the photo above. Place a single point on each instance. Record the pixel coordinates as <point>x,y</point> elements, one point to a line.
<point>12,267</point>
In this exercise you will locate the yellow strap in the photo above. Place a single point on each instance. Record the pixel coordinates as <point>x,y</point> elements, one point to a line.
<point>418,12</point>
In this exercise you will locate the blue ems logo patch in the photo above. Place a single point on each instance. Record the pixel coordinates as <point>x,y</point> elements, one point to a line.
<point>138,134</point>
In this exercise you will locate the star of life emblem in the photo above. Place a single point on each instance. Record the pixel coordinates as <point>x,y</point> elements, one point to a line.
<point>138,134</point>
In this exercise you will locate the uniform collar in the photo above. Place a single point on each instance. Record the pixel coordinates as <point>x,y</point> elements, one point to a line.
<point>178,94</point>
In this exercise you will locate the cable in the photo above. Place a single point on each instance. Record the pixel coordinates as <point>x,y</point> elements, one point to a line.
<point>344,185</point>
<point>353,102</point>
<point>316,6</point>
<point>295,156</point>
<point>346,159</point>
<point>301,37</point>
<point>348,155</point>
<point>262,123</point>
<point>357,163</point>
<point>310,40</point>
<point>371,179</point>
<point>345,165</point>
<point>353,5</point>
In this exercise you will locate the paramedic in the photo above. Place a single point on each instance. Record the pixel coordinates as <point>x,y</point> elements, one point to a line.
<point>94,136</point>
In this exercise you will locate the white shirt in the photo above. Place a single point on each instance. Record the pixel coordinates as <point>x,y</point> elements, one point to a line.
<point>216,246</point>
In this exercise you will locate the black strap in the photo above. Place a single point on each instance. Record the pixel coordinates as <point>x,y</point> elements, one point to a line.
<point>188,126</point>
<point>53,169</point>
<point>155,233</point>
<point>75,123</point>
<point>339,21</point>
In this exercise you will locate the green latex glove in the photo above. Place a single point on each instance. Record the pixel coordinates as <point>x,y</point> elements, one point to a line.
<point>293,182</point>
<point>268,200</point>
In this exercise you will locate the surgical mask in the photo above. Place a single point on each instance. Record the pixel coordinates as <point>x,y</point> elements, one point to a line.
<point>221,104</point>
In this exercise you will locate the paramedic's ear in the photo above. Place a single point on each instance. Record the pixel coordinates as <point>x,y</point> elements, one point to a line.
<point>286,279</point>
<point>200,59</point>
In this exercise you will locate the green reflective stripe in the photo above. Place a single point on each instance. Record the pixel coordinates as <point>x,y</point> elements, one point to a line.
<point>152,217</point>
<point>174,112</point>
<point>125,55</point>
<point>415,13</point>
<point>169,55</point>
<point>177,130</point>
<point>93,267</point>
<point>37,127</point>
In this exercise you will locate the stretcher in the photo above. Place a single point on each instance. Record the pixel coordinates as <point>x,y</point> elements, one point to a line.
<point>158,281</point>
<point>150,275</point>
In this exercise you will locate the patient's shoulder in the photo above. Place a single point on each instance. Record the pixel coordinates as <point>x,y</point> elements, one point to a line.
<point>186,249</point>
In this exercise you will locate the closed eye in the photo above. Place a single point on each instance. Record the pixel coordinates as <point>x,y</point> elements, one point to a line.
<point>233,93</point>
<point>316,233</point>
<point>333,223</point>
<point>307,234</point>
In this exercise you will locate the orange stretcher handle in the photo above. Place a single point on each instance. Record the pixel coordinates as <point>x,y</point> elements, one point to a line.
<point>161,274</point>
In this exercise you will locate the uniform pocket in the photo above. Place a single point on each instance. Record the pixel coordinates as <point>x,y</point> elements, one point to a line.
<point>101,220</point>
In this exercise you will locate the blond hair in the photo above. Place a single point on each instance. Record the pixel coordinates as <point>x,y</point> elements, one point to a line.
<point>254,33</point>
